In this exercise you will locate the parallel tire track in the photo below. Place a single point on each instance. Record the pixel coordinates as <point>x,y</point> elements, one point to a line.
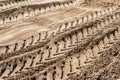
<point>71,52</point>
<point>88,38</point>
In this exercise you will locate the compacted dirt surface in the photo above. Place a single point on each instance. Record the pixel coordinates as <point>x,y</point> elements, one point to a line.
<point>59,39</point>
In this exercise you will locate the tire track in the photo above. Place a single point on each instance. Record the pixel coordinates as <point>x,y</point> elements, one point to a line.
<point>44,37</point>
<point>88,38</point>
<point>67,64</point>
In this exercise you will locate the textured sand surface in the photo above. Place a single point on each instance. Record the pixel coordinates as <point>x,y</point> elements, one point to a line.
<point>59,39</point>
